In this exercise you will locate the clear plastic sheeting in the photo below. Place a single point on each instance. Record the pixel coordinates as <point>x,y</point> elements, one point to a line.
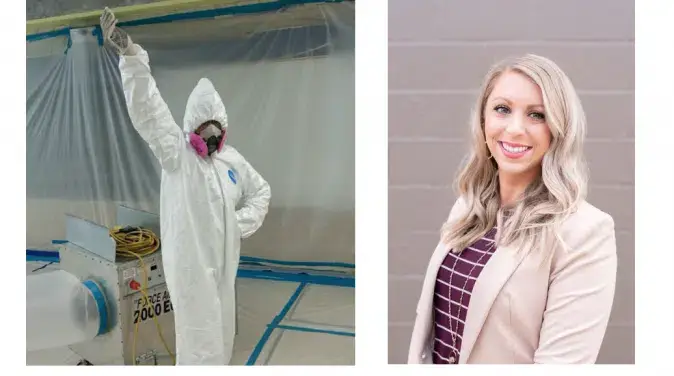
<point>287,79</point>
<point>60,311</point>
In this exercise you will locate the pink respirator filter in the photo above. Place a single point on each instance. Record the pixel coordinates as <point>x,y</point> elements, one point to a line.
<point>198,144</point>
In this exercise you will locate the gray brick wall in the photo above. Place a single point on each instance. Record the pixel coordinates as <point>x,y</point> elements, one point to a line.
<point>439,51</point>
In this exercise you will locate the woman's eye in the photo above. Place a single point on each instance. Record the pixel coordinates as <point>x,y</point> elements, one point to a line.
<point>537,115</point>
<point>502,109</point>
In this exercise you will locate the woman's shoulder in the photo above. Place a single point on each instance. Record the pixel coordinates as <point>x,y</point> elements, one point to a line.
<point>588,225</point>
<point>457,208</point>
<point>587,216</point>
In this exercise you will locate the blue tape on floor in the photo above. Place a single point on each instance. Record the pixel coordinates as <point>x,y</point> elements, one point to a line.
<point>298,277</point>
<point>270,328</point>
<point>299,263</point>
<point>53,256</point>
<point>270,275</point>
<point>315,330</point>
<point>294,269</point>
<point>259,260</point>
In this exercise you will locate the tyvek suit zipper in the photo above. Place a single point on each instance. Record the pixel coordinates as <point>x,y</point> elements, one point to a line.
<point>224,215</point>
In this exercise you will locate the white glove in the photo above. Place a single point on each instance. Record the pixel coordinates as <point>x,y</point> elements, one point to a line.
<point>113,36</point>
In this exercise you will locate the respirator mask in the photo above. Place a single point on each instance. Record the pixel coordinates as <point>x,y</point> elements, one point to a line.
<point>212,135</point>
<point>208,141</point>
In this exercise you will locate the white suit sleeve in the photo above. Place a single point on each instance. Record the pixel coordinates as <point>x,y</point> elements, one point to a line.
<point>255,201</point>
<point>148,112</point>
<point>580,298</point>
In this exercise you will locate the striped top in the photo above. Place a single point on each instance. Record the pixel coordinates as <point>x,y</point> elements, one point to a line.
<point>460,272</point>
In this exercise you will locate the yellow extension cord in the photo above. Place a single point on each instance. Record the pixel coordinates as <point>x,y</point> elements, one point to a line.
<point>138,243</point>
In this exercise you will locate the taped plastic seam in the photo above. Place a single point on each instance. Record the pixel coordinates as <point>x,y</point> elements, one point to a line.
<point>227,11</point>
<point>48,34</point>
<point>270,328</point>
<point>295,277</point>
<point>298,263</point>
<point>244,259</point>
<point>194,15</point>
<point>274,275</point>
<point>30,258</point>
<point>266,265</point>
<point>39,255</point>
<point>314,330</point>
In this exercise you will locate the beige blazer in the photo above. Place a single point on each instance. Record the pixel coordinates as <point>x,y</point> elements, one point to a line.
<point>525,311</point>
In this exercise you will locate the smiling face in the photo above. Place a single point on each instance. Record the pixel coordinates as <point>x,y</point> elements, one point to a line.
<point>515,126</point>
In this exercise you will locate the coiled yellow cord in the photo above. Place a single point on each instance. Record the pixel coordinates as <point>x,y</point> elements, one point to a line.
<point>139,242</point>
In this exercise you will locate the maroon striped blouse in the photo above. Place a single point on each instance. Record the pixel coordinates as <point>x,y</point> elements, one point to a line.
<point>460,272</point>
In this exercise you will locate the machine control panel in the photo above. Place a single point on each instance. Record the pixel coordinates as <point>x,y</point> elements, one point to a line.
<point>134,273</point>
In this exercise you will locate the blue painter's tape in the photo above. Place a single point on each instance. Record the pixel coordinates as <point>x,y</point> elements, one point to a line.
<point>345,281</point>
<point>48,34</point>
<point>314,330</point>
<point>272,261</point>
<point>98,33</point>
<point>42,255</point>
<point>270,328</point>
<point>300,270</point>
<point>42,252</point>
<point>69,44</point>
<point>42,259</point>
<point>289,304</point>
<point>101,304</point>
<point>195,15</point>
<point>259,346</point>
<point>297,277</point>
<point>299,263</point>
<point>228,11</point>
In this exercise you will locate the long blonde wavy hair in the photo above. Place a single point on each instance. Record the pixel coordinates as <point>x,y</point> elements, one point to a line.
<point>555,194</point>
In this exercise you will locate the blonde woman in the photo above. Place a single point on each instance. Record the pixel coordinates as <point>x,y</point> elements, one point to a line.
<point>525,271</point>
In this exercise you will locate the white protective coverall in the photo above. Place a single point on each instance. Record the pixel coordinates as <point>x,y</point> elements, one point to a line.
<point>201,227</point>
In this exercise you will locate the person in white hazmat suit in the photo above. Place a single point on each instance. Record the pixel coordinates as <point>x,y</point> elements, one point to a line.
<point>203,182</point>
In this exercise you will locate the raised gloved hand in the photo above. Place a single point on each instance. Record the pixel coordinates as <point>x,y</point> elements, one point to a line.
<point>113,36</point>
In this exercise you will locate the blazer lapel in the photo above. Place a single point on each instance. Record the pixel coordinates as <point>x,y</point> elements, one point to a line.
<point>428,288</point>
<point>495,274</point>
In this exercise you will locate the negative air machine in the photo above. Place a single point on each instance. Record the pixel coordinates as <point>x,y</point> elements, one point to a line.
<point>107,307</point>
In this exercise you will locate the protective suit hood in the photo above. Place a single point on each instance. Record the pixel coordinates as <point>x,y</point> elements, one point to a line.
<point>204,104</point>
